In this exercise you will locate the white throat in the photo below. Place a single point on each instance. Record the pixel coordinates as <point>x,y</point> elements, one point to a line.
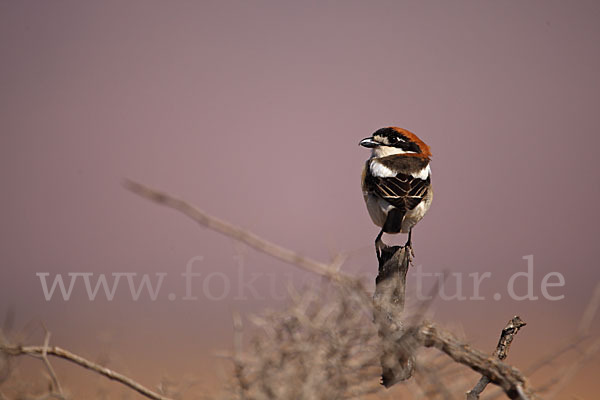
<point>384,151</point>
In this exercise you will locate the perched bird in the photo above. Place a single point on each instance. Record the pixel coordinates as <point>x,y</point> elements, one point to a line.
<point>396,181</point>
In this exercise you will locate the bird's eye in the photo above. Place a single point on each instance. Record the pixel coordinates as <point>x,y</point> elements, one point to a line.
<point>393,139</point>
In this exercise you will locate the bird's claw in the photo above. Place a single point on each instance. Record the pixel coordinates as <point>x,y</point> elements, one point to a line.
<point>410,253</point>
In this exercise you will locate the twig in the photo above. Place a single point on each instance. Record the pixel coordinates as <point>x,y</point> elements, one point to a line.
<point>590,312</point>
<point>55,381</point>
<point>568,373</point>
<point>508,378</point>
<point>37,351</point>
<point>237,233</point>
<point>479,387</point>
<point>501,352</point>
<point>238,340</point>
<point>582,334</point>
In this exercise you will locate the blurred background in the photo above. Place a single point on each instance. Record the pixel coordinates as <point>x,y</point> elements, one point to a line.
<point>253,111</point>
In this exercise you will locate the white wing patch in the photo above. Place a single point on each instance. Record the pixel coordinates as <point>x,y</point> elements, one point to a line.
<point>381,171</point>
<point>422,174</point>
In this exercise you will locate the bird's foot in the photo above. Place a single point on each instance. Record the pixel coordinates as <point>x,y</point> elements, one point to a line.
<point>410,253</point>
<point>379,246</point>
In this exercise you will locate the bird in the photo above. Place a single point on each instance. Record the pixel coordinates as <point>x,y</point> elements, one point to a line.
<point>396,182</point>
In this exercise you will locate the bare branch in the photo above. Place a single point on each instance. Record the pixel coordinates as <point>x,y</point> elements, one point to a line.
<point>37,351</point>
<point>590,312</point>
<point>560,375</point>
<point>582,333</point>
<point>569,373</point>
<point>508,378</point>
<point>388,306</point>
<point>501,352</point>
<point>236,232</point>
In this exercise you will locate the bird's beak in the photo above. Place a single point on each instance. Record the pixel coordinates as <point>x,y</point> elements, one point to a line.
<point>369,142</point>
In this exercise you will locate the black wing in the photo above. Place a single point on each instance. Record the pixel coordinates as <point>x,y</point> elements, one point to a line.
<point>402,191</point>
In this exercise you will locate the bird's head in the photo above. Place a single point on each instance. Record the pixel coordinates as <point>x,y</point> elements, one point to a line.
<point>395,141</point>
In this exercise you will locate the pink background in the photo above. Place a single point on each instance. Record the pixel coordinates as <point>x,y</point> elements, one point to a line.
<point>253,111</point>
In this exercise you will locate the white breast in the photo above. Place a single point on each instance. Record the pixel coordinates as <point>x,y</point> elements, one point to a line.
<point>412,217</point>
